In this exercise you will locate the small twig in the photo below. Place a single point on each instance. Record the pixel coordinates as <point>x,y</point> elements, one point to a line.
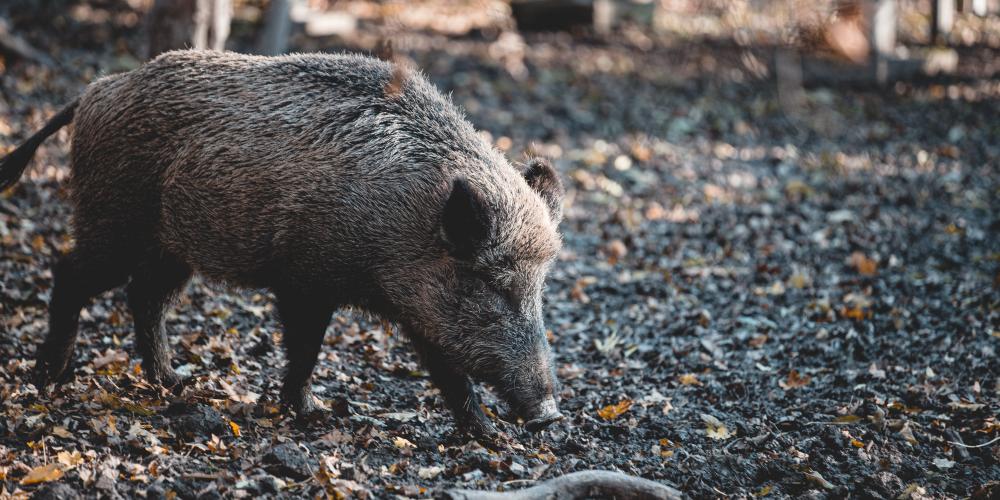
<point>963,445</point>
<point>201,475</point>
<point>956,439</point>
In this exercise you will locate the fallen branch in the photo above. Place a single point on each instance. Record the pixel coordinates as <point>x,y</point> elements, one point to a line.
<point>584,484</point>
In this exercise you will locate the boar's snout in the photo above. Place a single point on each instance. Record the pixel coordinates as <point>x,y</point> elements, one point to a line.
<point>542,415</point>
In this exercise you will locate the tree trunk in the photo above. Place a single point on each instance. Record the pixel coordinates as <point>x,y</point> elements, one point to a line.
<point>277,28</point>
<point>188,24</point>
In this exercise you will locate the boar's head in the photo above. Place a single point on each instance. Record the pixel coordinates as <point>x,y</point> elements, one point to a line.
<point>483,307</point>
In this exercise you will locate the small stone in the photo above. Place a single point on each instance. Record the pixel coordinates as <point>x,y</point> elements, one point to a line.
<point>56,491</point>
<point>287,460</point>
<point>198,420</point>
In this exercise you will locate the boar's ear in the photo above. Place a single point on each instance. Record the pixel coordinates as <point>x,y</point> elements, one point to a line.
<point>466,222</point>
<point>543,179</point>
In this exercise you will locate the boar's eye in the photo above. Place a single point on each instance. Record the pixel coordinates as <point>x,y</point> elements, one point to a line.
<point>465,223</point>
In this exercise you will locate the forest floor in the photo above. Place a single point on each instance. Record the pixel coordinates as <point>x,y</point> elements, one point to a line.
<point>762,293</point>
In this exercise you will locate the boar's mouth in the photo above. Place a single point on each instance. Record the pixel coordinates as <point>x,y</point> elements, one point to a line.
<point>544,415</point>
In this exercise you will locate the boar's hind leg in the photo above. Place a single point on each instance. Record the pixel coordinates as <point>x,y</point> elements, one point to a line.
<point>77,277</point>
<point>154,283</point>
<point>458,392</point>
<point>305,323</point>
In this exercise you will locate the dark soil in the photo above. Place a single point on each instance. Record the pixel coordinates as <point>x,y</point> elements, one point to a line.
<point>762,292</point>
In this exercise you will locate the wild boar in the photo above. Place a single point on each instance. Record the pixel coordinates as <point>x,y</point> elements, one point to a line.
<point>331,180</point>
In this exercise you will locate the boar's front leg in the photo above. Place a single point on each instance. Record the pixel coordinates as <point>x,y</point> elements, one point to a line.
<point>458,392</point>
<point>154,283</point>
<point>305,322</point>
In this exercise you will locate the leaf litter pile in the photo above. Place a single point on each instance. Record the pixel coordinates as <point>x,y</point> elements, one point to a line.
<point>760,293</point>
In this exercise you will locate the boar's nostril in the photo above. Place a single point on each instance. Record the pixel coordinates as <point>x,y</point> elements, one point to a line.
<point>547,413</point>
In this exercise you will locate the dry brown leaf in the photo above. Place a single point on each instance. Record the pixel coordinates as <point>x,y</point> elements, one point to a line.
<point>864,265</point>
<point>688,379</point>
<point>43,474</point>
<point>616,250</point>
<point>794,380</point>
<point>855,313</point>
<point>110,356</point>
<point>60,431</point>
<point>612,412</point>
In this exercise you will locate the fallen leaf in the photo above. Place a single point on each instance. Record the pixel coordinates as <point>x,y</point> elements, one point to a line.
<point>943,463</point>
<point>847,419</point>
<point>857,444</point>
<point>429,472</point>
<point>402,443</point>
<point>864,265</point>
<point>612,412</point>
<point>963,405</point>
<point>688,379</point>
<point>233,426</point>
<point>818,479</point>
<point>794,380</point>
<point>68,459</point>
<point>907,434</point>
<point>43,474</point>
<point>109,357</point>
<point>714,428</point>
<point>60,431</point>
<point>855,313</point>
<point>616,250</point>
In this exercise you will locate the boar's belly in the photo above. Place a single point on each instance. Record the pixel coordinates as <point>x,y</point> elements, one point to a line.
<point>223,230</point>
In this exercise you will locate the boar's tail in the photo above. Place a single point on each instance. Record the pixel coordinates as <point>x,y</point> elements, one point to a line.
<point>14,164</point>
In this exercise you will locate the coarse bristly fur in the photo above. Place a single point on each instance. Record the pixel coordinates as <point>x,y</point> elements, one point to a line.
<point>301,174</point>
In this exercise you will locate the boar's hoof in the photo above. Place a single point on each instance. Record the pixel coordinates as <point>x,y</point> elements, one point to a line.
<point>302,405</point>
<point>481,430</point>
<point>49,371</point>
<point>168,379</point>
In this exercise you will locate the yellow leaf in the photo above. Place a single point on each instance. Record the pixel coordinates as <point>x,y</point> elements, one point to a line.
<point>855,313</point>
<point>60,431</point>
<point>612,412</point>
<point>857,444</point>
<point>68,459</point>
<point>847,419</point>
<point>689,379</point>
<point>763,492</point>
<point>42,474</point>
<point>402,443</point>
<point>235,428</point>
<point>714,428</point>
